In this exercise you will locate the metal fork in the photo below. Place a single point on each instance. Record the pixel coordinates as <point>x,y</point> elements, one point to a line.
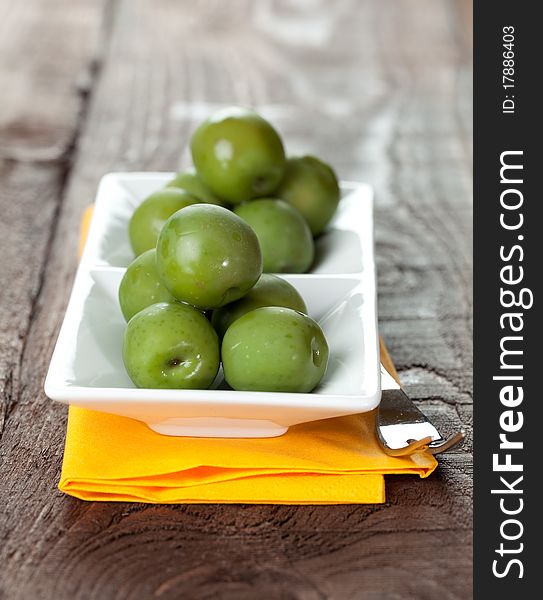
<point>402,428</point>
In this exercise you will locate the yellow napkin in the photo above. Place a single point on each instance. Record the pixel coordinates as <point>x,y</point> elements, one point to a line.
<point>333,461</point>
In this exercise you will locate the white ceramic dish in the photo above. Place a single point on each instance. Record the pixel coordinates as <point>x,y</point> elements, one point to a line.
<point>87,370</point>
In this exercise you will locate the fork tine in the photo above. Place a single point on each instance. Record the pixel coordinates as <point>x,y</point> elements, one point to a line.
<point>438,446</point>
<point>412,447</point>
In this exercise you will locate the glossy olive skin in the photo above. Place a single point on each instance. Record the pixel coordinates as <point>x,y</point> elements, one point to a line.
<point>274,349</point>
<point>192,184</point>
<point>283,234</point>
<point>150,216</point>
<point>238,155</point>
<point>171,346</point>
<point>141,286</point>
<point>207,256</point>
<point>312,187</point>
<point>269,290</point>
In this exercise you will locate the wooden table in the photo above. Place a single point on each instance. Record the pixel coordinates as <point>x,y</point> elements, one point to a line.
<point>382,89</point>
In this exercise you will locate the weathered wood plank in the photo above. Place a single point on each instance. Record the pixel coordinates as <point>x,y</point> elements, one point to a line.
<point>48,51</point>
<point>380,89</point>
<point>45,48</point>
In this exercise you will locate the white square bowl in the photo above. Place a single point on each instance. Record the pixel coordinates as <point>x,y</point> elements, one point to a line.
<point>87,370</point>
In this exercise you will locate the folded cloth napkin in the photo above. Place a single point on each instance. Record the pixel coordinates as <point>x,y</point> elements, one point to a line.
<point>332,461</point>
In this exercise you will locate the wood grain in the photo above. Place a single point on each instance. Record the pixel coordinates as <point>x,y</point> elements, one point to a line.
<point>381,89</point>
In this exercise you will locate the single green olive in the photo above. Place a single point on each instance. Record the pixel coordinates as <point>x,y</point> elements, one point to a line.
<point>141,286</point>
<point>150,216</point>
<point>207,256</point>
<point>192,184</point>
<point>273,349</point>
<point>171,346</point>
<point>238,155</point>
<point>269,290</point>
<point>312,187</point>
<point>283,234</point>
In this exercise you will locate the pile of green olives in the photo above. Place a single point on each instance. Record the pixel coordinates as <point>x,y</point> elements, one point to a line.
<point>204,288</point>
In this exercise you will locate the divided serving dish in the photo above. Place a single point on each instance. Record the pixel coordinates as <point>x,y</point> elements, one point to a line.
<point>87,370</point>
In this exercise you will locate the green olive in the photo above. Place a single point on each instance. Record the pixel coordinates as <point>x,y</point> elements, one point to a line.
<point>207,256</point>
<point>141,286</point>
<point>171,346</point>
<point>238,155</point>
<point>312,187</point>
<point>269,290</point>
<point>150,216</point>
<point>273,349</point>
<point>283,234</point>
<point>193,185</point>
